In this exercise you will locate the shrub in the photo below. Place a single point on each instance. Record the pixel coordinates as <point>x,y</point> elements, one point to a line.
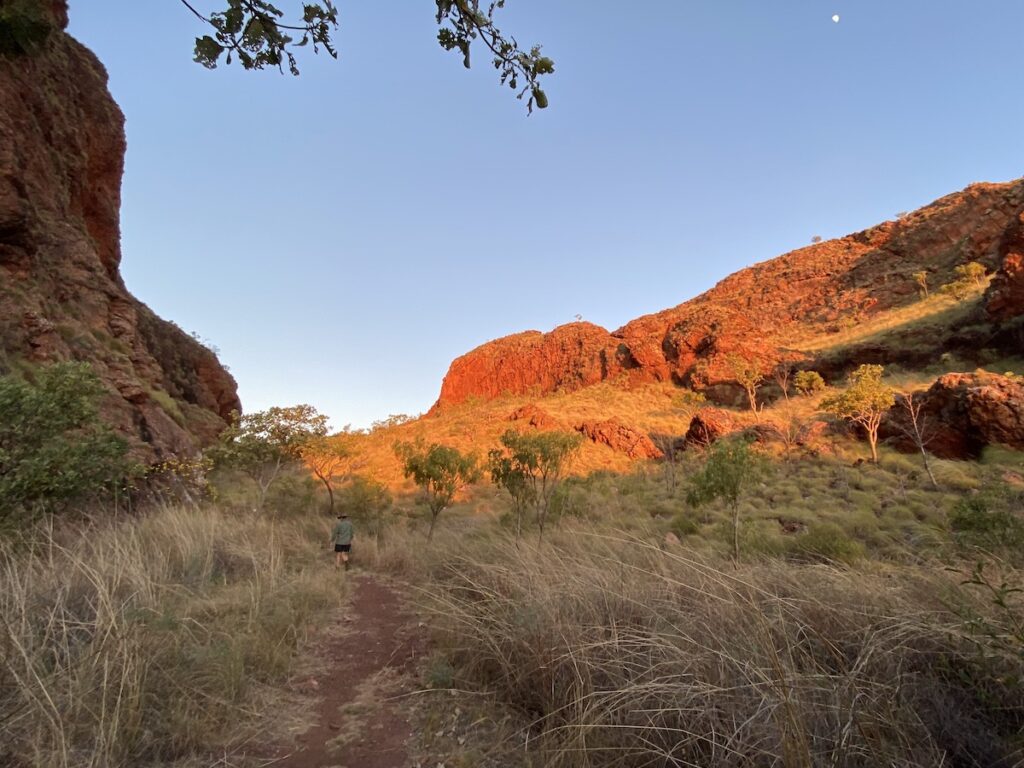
<point>969,277</point>
<point>808,383</point>
<point>53,446</point>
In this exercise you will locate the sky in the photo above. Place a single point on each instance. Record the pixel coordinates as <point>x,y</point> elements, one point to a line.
<point>342,236</point>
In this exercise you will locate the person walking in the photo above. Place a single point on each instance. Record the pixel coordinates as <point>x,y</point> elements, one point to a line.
<point>341,537</point>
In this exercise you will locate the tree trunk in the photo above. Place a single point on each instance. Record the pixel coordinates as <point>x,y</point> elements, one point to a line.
<point>873,439</point>
<point>736,532</point>
<point>928,468</point>
<point>433,521</point>
<point>330,491</point>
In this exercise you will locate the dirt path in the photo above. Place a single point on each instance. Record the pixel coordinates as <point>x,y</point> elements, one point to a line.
<point>368,658</point>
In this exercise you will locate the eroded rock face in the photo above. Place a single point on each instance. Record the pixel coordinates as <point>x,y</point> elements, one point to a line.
<point>61,294</point>
<point>621,438</point>
<point>961,413</point>
<point>534,416</point>
<point>758,312</point>
<point>566,359</point>
<point>710,425</point>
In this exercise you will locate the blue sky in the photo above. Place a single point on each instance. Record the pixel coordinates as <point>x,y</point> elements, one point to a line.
<point>342,236</point>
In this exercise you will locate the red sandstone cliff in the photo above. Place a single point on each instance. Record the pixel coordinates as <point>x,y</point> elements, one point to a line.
<point>61,294</point>
<point>760,311</point>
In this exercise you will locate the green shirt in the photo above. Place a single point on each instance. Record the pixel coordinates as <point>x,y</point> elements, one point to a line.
<point>342,532</point>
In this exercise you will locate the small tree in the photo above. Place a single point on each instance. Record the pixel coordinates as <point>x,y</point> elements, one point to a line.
<point>440,471</point>
<point>511,472</point>
<point>969,277</point>
<point>972,272</point>
<point>808,383</point>
<point>685,405</point>
<point>262,444</point>
<point>921,278</point>
<point>747,372</point>
<point>918,429</point>
<point>54,447</point>
<point>730,468</point>
<point>783,372</point>
<point>864,402</point>
<point>331,457</point>
<point>530,466</point>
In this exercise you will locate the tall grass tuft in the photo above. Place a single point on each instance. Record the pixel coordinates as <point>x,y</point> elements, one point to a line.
<point>148,640</point>
<point>625,654</point>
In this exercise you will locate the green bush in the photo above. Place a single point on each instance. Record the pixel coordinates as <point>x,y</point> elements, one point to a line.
<point>808,382</point>
<point>54,448</point>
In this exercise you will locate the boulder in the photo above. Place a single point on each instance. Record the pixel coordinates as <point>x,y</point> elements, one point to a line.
<point>960,414</point>
<point>709,425</point>
<point>534,416</point>
<point>620,438</point>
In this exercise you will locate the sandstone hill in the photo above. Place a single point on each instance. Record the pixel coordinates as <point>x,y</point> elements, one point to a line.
<point>62,147</point>
<point>801,306</point>
<point>829,307</point>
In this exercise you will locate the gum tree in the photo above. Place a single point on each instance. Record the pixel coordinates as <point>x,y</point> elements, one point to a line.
<point>730,468</point>
<point>330,457</point>
<point>747,372</point>
<point>530,466</point>
<point>262,444</point>
<point>440,471</point>
<point>864,402</point>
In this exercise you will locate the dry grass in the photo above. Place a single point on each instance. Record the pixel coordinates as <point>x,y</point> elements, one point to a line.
<point>621,653</point>
<point>151,640</point>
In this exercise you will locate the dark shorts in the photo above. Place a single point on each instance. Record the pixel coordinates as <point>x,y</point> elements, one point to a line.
<point>342,547</point>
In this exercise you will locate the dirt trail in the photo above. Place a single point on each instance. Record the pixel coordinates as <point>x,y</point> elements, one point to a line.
<point>366,659</point>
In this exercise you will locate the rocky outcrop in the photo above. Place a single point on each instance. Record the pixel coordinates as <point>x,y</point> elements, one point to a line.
<point>1006,294</point>
<point>62,149</point>
<point>961,414</point>
<point>710,425</point>
<point>620,438</point>
<point>568,358</point>
<point>757,313</point>
<point>534,416</point>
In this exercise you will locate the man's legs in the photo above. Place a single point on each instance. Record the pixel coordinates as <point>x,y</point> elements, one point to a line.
<point>344,559</point>
<point>337,559</point>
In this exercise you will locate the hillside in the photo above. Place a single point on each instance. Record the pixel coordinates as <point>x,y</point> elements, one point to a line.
<point>796,303</point>
<point>62,146</point>
<point>828,307</point>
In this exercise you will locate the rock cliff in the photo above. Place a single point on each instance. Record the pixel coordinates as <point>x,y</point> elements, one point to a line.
<point>62,150</point>
<point>762,313</point>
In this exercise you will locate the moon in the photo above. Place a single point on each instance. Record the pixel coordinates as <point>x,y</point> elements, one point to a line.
<point>836,18</point>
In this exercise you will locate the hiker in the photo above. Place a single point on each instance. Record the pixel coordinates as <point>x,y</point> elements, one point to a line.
<point>341,537</point>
